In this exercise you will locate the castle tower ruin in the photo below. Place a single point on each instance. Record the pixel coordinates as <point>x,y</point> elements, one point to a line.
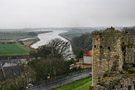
<point>107,52</point>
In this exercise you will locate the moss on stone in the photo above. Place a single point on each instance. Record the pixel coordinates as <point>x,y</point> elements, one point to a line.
<point>131,70</point>
<point>128,45</point>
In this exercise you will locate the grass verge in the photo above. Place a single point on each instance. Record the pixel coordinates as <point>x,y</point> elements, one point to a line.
<point>82,84</point>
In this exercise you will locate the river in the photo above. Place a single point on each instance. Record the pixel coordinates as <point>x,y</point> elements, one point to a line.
<point>46,37</point>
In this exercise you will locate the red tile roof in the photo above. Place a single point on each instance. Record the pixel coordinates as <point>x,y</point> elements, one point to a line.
<point>88,53</point>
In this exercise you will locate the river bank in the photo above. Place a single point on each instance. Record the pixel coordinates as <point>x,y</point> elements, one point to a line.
<point>44,38</point>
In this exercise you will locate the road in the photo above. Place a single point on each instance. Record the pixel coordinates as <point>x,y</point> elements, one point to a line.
<point>60,82</point>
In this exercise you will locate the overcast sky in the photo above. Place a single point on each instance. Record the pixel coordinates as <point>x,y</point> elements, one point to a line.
<point>66,13</point>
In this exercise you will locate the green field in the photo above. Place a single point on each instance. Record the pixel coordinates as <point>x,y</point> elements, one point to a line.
<point>16,35</point>
<point>13,49</point>
<point>13,35</point>
<point>82,84</point>
<point>17,48</point>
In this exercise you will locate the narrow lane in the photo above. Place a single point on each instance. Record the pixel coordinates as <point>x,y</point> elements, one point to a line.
<point>60,82</point>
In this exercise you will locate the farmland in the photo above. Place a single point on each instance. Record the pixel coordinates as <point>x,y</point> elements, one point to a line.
<point>13,35</point>
<point>13,49</point>
<point>10,44</point>
<point>19,35</point>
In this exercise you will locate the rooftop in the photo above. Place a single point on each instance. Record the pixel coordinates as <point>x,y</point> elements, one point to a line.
<point>88,53</point>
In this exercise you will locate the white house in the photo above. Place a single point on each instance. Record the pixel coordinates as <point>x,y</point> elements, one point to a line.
<point>87,57</point>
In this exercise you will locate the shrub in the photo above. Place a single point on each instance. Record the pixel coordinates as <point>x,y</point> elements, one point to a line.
<point>131,70</point>
<point>9,87</point>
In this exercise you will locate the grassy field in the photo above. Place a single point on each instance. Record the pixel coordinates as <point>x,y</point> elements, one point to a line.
<point>19,35</point>
<point>13,35</point>
<point>82,84</point>
<point>17,48</point>
<point>13,49</point>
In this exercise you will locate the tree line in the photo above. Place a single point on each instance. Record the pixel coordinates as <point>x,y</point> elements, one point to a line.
<point>131,30</point>
<point>81,44</point>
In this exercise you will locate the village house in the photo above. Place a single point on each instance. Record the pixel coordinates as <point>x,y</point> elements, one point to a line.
<point>86,61</point>
<point>87,57</point>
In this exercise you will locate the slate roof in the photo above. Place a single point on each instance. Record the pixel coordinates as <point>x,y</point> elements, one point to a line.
<point>11,72</point>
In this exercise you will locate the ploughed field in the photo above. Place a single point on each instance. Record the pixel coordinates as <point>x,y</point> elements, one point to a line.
<point>13,49</point>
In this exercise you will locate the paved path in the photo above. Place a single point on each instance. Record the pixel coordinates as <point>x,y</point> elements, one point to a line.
<point>60,82</point>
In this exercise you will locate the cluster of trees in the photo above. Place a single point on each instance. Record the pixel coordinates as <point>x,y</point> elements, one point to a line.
<point>131,30</point>
<point>49,67</point>
<point>50,59</point>
<point>55,48</point>
<point>81,44</point>
<point>84,42</point>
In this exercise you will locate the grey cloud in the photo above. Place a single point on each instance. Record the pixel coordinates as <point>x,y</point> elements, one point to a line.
<point>66,13</point>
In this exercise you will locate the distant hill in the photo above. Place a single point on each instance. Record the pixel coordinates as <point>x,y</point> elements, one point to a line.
<point>131,30</point>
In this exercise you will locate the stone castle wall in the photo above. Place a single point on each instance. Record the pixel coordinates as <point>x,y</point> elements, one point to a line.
<point>105,52</point>
<point>111,49</point>
<point>121,83</point>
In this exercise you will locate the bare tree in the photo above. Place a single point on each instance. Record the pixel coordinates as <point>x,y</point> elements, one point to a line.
<point>55,48</point>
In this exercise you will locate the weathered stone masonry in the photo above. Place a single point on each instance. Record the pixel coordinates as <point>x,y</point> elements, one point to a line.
<point>110,48</point>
